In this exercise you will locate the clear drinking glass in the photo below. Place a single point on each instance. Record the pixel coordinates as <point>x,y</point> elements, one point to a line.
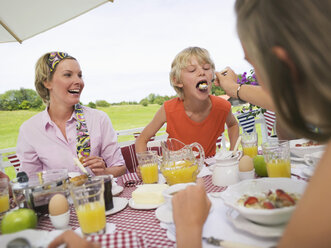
<point>4,195</point>
<point>90,206</point>
<point>148,166</point>
<point>249,143</point>
<point>277,157</point>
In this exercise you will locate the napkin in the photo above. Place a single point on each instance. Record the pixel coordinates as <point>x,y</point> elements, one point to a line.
<point>131,179</point>
<point>204,172</point>
<point>298,171</point>
<point>219,227</point>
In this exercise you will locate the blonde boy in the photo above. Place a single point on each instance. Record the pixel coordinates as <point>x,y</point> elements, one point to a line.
<point>194,116</point>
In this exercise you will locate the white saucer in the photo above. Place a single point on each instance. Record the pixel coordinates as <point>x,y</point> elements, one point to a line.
<point>142,206</point>
<point>119,204</point>
<point>164,214</point>
<point>116,190</point>
<point>259,230</point>
<point>308,172</point>
<point>297,159</point>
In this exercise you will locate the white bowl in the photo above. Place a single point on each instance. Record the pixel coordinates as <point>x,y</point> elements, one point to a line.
<point>258,186</point>
<point>169,192</point>
<point>300,151</point>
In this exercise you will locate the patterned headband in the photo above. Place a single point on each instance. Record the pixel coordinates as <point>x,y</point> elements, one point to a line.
<point>54,58</point>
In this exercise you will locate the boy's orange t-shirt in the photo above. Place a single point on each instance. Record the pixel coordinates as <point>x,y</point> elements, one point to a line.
<point>181,127</point>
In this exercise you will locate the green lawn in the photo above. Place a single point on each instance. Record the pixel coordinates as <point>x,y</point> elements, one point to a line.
<point>123,117</point>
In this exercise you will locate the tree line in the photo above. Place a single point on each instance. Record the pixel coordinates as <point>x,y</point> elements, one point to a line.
<point>24,99</point>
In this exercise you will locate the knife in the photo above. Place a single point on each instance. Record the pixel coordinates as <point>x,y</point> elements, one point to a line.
<point>227,244</point>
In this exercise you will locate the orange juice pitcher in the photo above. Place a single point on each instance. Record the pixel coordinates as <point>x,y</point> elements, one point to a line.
<point>181,163</point>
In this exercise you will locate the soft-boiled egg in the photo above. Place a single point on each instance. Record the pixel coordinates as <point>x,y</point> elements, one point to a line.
<point>246,163</point>
<point>58,205</point>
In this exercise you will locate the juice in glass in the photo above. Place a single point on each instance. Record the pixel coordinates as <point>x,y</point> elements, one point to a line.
<point>90,206</point>
<point>250,151</point>
<point>4,195</point>
<point>91,217</point>
<point>4,203</point>
<point>249,144</point>
<point>149,173</point>
<point>279,168</point>
<point>277,157</point>
<point>180,172</point>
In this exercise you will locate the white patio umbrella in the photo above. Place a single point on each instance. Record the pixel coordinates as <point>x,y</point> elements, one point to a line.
<point>23,19</point>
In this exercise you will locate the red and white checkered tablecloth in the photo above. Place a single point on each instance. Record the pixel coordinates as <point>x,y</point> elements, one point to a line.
<point>134,228</point>
<point>119,239</point>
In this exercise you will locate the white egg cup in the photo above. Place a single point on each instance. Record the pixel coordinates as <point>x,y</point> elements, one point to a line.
<point>243,175</point>
<point>60,221</point>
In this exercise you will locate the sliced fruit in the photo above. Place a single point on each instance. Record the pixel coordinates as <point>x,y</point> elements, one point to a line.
<point>286,199</point>
<point>268,205</point>
<point>251,200</point>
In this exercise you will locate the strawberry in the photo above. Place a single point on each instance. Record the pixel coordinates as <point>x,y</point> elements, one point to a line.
<point>286,199</point>
<point>251,200</point>
<point>268,205</point>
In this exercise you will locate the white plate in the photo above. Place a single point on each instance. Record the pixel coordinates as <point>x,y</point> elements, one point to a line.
<point>119,204</point>
<point>301,151</point>
<point>142,206</point>
<point>242,223</point>
<point>164,214</point>
<point>308,172</point>
<point>116,190</point>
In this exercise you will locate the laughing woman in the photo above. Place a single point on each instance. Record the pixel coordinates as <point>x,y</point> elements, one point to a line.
<point>66,129</point>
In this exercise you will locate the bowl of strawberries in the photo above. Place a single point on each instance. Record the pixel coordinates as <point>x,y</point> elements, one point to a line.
<point>266,201</point>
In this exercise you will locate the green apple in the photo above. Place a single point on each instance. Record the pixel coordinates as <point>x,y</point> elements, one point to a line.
<point>18,220</point>
<point>260,166</point>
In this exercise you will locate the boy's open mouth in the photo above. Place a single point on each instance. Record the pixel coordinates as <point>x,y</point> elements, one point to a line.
<point>202,85</point>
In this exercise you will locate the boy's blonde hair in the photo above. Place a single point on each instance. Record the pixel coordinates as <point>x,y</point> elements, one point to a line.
<point>182,60</point>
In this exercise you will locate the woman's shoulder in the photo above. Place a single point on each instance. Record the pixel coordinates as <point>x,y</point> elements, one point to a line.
<point>95,113</point>
<point>36,120</point>
<point>96,116</point>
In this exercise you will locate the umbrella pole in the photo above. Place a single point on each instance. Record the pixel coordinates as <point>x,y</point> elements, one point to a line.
<point>11,32</point>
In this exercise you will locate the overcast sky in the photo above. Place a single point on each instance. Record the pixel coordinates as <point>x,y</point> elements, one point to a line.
<point>125,48</point>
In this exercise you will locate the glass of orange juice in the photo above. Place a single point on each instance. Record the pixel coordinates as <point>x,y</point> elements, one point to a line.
<point>277,157</point>
<point>249,143</point>
<point>148,166</point>
<point>4,195</point>
<point>90,207</point>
